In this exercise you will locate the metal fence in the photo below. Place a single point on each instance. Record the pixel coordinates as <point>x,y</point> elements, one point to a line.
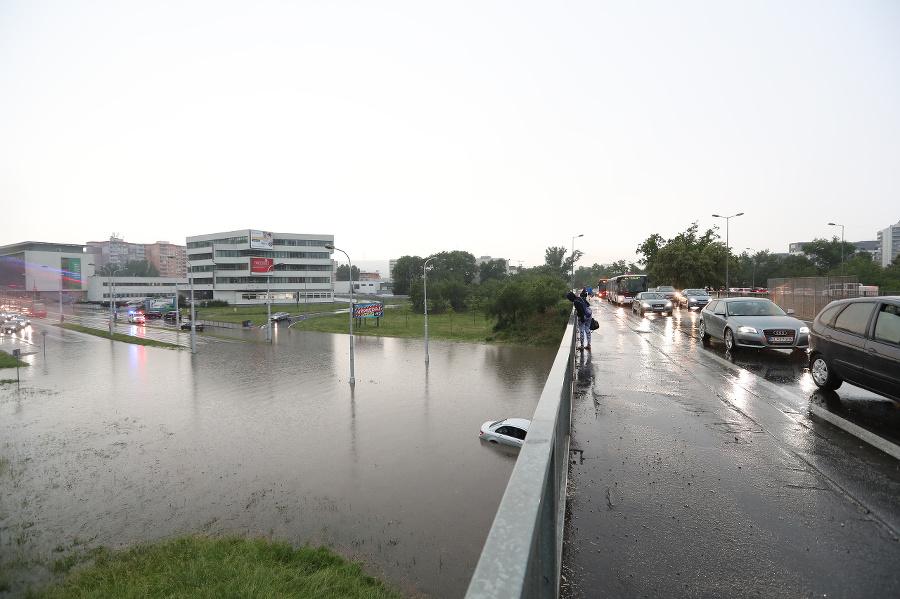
<point>522,556</point>
<point>806,296</point>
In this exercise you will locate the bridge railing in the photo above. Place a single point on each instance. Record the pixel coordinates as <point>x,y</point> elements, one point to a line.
<point>522,556</point>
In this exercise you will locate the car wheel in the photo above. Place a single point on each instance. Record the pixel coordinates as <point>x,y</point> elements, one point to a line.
<point>730,345</point>
<point>704,336</point>
<point>822,374</point>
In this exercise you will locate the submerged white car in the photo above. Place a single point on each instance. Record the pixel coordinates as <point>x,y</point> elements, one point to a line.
<point>510,431</point>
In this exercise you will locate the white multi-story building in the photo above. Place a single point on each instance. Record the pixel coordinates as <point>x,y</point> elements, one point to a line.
<point>248,266</point>
<point>889,244</point>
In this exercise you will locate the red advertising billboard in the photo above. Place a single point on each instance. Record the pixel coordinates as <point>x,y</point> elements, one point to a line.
<point>369,310</point>
<point>261,266</point>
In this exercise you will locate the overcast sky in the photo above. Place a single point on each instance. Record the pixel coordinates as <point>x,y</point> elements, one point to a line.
<point>408,128</point>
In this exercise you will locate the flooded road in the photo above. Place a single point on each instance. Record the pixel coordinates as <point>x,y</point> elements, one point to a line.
<point>110,444</point>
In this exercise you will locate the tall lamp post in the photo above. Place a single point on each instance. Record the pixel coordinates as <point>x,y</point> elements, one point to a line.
<point>193,319</point>
<point>842,247</point>
<point>727,250</point>
<point>573,258</point>
<point>753,281</point>
<point>329,246</point>
<point>425,281</point>
<point>112,300</point>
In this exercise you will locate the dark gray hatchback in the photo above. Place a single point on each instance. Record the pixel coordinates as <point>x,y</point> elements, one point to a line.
<point>857,340</point>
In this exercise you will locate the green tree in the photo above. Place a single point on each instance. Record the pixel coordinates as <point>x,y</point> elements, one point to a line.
<point>457,265</point>
<point>406,270</point>
<point>492,269</point>
<point>343,273</point>
<point>138,268</point>
<point>826,255</point>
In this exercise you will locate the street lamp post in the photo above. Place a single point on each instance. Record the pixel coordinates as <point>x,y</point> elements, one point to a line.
<point>727,249</point>
<point>573,259</point>
<point>112,301</point>
<point>330,246</point>
<point>425,281</point>
<point>753,281</point>
<point>842,247</point>
<point>193,319</point>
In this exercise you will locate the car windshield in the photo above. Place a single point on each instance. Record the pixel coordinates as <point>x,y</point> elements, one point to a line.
<point>646,296</point>
<point>664,288</point>
<point>693,292</point>
<point>754,308</point>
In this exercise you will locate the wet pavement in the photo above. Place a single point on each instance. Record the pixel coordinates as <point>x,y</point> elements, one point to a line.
<point>700,474</point>
<point>111,444</point>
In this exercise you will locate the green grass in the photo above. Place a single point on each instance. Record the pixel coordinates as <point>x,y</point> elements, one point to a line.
<point>118,336</point>
<point>201,567</point>
<point>541,329</point>
<point>8,361</point>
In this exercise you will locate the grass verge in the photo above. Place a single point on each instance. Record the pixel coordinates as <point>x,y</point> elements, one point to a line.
<point>118,336</point>
<point>197,566</point>
<point>542,330</point>
<point>8,361</point>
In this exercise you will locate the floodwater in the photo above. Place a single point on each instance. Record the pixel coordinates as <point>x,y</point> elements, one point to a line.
<point>111,444</point>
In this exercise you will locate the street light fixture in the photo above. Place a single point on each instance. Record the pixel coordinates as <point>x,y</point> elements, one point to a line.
<point>330,246</point>
<point>111,286</point>
<point>573,258</point>
<point>727,249</point>
<point>842,247</point>
<point>425,280</point>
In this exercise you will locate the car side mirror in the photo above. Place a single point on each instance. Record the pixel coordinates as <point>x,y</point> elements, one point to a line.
<point>790,311</point>
<point>719,312</point>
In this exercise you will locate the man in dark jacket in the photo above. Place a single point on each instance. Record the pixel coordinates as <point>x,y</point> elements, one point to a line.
<point>585,315</point>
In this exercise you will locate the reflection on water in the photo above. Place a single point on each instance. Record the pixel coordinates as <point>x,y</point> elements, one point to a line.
<point>113,444</point>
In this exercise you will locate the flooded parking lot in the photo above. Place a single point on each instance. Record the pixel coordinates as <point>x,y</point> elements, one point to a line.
<point>111,444</point>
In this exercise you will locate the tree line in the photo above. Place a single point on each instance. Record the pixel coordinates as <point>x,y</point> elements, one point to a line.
<point>691,259</point>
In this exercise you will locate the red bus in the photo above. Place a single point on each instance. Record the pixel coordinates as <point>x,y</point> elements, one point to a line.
<point>28,307</point>
<point>601,288</point>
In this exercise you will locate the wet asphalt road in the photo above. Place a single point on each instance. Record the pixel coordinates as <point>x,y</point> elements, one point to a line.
<point>701,474</point>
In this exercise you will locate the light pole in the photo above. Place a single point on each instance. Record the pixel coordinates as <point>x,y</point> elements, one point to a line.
<point>112,301</point>
<point>573,258</point>
<point>271,274</point>
<point>727,249</point>
<point>193,322</point>
<point>753,281</point>
<point>842,248</point>
<point>330,246</point>
<point>425,280</point>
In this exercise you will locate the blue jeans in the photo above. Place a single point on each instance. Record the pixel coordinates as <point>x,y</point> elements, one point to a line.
<point>584,329</point>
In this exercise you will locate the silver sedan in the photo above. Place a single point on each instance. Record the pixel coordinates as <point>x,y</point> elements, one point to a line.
<point>752,322</point>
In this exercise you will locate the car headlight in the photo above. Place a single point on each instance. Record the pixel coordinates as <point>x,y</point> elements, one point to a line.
<point>668,304</point>
<point>746,330</point>
<point>645,305</point>
<point>804,330</point>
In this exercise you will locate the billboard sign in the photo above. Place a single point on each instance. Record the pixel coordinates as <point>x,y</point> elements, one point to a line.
<point>71,273</point>
<point>261,240</point>
<point>369,310</point>
<point>261,266</point>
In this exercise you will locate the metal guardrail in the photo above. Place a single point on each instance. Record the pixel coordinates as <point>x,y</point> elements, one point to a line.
<point>522,556</point>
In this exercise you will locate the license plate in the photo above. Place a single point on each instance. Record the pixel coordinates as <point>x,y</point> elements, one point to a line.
<point>781,339</point>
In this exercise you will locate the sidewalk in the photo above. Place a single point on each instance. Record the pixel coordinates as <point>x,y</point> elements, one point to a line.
<point>677,490</point>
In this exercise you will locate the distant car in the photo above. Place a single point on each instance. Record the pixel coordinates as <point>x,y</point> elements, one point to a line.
<point>752,322</point>
<point>153,314</point>
<point>510,431</point>
<point>278,316</point>
<point>186,326</point>
<point>23,320</point>
<point>10,327</point>
<point>857,340</point>
<point>668,292</point>
<point>136,318</point>
<point>173,316</point>
<point>651,301</point>
<point>693,298</point>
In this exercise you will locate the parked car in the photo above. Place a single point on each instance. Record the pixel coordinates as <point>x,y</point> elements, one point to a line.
<point>136,318</point>
<point>693,298</point>
<point>278,316</point>
<point>510,431</point>
<point>651,301</point>
<point>186,326</point>
<point>857,340</point>
<point>752,322</point>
